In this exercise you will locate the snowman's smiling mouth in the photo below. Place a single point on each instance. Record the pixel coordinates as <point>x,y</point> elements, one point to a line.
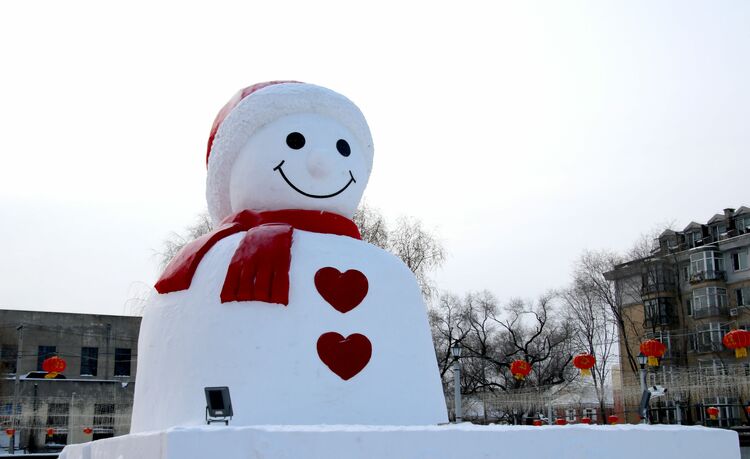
<point>309,195</point>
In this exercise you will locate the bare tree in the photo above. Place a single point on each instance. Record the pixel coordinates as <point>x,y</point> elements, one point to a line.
<point>594,332</point>
<point>493,337</point>
<point>372,225</point>
<point>419,249</point>
<point>589,274</point>
<point>176,241</point>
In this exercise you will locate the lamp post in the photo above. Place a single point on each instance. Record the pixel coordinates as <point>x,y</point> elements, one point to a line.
<point>456,352</point>
<point>642,360</point>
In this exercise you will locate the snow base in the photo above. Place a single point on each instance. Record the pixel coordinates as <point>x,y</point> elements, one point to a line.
<point>415,442</point>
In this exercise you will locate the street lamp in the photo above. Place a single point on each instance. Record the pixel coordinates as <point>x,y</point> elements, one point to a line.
<point>456,352</point>
<point>645,394</point>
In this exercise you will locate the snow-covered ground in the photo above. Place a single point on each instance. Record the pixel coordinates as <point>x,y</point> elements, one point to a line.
<point>415,442</point>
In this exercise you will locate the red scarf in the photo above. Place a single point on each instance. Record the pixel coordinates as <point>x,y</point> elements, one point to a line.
<point>259,269</point>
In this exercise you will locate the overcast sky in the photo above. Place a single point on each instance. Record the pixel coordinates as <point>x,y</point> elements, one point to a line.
<point>522,133</point>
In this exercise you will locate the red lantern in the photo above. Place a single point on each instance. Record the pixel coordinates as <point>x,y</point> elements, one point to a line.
<point>654,350</point>
<point>560,421</point>
<point>585,420</point>
<point>50,432</point>
<point>612,419</point>
<point>520,369</point>
<point>747,410</point>
<point>712,412</point>
<point>739,340</point>
<point>88,430</point>
<point>10,432</point>
<point>53,366</point>
<point>584,362</point>
<point>537,422</point>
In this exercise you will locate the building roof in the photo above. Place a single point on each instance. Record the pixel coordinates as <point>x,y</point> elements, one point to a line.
<point>742,211</point>
<point>692,225</point>
<point>717,219</point>
<point>667,232</point>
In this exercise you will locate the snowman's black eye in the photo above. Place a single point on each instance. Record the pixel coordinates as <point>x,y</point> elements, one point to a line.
<point>295,140</point>
<point>343,147</point>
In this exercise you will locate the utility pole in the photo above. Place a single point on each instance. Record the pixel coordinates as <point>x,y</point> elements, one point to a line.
<point>16,386</point>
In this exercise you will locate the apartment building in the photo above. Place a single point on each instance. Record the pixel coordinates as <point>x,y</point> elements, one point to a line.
<point>688,293</point>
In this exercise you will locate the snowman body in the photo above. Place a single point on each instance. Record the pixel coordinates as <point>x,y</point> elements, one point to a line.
<point>268,354</point>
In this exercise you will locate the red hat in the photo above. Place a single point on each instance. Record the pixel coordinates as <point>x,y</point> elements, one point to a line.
<point>257,105</point>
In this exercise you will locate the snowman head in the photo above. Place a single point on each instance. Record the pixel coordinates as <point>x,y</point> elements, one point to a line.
<point>288,145</point>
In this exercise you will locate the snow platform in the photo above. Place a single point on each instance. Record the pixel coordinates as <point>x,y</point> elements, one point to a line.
<point>415,442</point>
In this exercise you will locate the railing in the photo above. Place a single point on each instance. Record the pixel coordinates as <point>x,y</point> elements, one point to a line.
<point>703,276</point>
<point>713,346</point>
<point>657,287</point>
<point>700,313</point>
<point>660,320</point>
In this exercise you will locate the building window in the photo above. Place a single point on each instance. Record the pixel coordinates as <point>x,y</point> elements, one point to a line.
<point>89,361</point>
<point>8,358</point>
<point>57,415</point>
<point>718,230</point>
<point>43,354</point>
<point>658,312</point>
<point>689,306</point>
<point>706,265</point>
<point>739,260</point>
<point>691,342</point>
<point>743,296</point>
<point>589,413</point>
<point>104,420</point>
<point>570,415</point>
<point>694,238</point>
<point>685,272</point>
<point>743,224</point>
<point>6,414</point>
<point>662,336</point>
<point>122,362</point>
<point>709,336</point>
<point>709,301</point>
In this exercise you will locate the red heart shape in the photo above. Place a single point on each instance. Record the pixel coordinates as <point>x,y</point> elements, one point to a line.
<point>344,356</point>
<point>343,291</point>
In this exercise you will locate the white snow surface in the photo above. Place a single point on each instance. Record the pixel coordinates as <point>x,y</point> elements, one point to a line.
<point>416,442</point>
<point>266,353</point>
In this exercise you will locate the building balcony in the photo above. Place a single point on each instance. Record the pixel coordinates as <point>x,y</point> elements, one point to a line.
<point>705,276</point>
<point>713,346</point>
<point>660,320</point>
<point>659,287</point>
<point>710,311</point>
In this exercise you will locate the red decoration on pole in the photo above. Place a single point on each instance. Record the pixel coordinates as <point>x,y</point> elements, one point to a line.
<point>88,430</point>
<point>537,422</point>
<point>53,366</point>
<point>739,340</point>
<point>712,412</point>
<point>584,362</point>
<point>585,420</point>
<point>10,432</point>
<point>520,369</point>
<point>50,432</point>
<point>654,350</point>
<point>612,419</point>
<point>560,421</point>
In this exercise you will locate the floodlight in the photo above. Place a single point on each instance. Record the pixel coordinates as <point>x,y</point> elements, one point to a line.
<point>218,405</point>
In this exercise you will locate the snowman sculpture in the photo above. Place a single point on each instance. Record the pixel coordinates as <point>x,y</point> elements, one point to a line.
<point>282,302</point>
